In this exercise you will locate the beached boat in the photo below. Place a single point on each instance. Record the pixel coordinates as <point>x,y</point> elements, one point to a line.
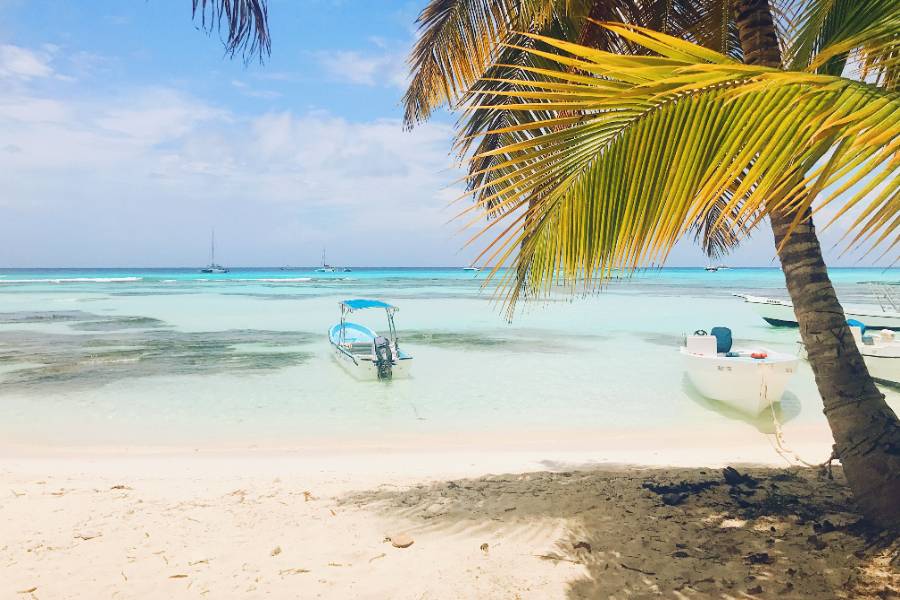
<point>880,351</point>
<point>747,379</point>
<point>213,267</point>
<point>780,313</point>
<point>364,353</point>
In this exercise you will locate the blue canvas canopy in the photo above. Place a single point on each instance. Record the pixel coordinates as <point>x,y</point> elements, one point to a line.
<point>362,303</point>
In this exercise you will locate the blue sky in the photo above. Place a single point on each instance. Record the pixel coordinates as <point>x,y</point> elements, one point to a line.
<point>125,135</point>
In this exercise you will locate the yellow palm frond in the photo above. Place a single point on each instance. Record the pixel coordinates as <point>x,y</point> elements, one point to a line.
<point>460,39</point>
<point>670,140</point>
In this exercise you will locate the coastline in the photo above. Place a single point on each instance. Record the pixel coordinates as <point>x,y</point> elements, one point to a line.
<point>731,443</point>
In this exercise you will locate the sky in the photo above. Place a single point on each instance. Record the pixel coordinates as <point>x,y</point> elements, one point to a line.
<point>126,136</point>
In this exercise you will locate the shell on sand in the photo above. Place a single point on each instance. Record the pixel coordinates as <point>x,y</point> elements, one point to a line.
<point>401,540</point>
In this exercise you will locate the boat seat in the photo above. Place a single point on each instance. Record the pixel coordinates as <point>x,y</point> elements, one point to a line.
<point>723,339</point>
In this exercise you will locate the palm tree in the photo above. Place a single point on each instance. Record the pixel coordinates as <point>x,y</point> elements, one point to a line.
<point>629,153</point>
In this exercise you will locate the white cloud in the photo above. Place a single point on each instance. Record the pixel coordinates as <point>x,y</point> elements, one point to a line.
<point>371,69</point>
<point>253,92</point>
<point>21,63</point>
<point>144,170</point>
<point>157,114</point>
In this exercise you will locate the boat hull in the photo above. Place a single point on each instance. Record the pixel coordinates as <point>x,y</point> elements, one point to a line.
<point>882,363</point>
<point>883,368</point>
<point>781,314</point>
<point>355,355</point>
<point>365,369</point>
<point>743,383</point>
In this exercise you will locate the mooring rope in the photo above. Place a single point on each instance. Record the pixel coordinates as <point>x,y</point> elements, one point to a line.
<point>790,456</point>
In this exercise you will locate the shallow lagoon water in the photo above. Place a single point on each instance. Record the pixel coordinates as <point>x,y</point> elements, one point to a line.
<point>175,357</point>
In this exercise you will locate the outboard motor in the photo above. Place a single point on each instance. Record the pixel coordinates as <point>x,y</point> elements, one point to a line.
<point>384,358</point>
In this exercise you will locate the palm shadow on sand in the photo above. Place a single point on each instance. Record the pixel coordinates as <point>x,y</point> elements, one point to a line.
<point>791,534</point>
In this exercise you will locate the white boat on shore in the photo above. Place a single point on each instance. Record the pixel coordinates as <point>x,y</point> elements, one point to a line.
<point>880,351</point>
<point>746,379</point>
<point>361,351</point>
<point>780,313</point>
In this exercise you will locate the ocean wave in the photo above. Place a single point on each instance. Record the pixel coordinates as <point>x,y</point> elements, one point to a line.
<point>77,280</point>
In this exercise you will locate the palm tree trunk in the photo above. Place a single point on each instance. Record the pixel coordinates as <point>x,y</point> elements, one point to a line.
<point>866,431</point>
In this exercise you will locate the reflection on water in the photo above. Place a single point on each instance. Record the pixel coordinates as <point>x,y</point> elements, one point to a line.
<point>786,410</point>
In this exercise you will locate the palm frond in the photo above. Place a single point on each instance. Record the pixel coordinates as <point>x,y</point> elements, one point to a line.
<point>667,141</point>
<point>832,31</point>
<point>242,24</point>
<point>459,40</point>
<point>707,22</point>
<point>456,43</point>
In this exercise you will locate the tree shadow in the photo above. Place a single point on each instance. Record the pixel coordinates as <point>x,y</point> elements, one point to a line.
<point>678,533</point>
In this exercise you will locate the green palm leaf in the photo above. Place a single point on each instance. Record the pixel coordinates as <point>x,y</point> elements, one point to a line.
<point>831,31</point>
<point>667,141</point>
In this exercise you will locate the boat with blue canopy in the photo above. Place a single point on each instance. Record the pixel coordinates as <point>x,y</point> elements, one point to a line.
<point>362,351</point>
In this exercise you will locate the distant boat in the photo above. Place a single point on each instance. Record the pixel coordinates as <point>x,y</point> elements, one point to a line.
<point>712,269</point>
<point>325,268</point>
<point>213,267</point>
<point>346,270</point>
<point>748,379</point>
<point>476,269</point>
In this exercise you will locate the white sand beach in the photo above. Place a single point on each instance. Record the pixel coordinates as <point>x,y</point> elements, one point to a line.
<point>489,523</point>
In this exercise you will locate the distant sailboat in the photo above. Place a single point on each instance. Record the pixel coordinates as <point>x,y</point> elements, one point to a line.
<point>213,267</point>
<point>325,268</point>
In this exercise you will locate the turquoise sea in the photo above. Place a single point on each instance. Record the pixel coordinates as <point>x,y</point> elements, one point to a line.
<point>177,357</point>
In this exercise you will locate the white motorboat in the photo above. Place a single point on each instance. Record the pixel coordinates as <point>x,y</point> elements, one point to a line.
<point>780,313</point>
<point>475,269</point>
<point>880,351</point>
<point>747,379</point>
<point>361,351</point>
<point>213,267</point>
<point>712,269</point>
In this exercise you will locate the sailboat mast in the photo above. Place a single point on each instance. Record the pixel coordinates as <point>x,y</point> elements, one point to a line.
<point>212,248</point>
